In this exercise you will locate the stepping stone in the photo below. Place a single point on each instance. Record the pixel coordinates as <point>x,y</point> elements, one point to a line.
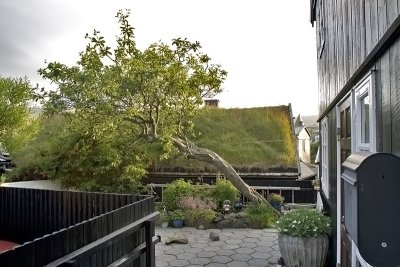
<point>177,238</point>
<point>214,236</point>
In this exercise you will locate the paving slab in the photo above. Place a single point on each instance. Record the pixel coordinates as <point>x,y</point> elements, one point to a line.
<point>236,248</point>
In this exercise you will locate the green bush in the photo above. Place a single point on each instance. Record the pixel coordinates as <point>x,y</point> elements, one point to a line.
<point>175,191</point>
<point>275,198</point>
<point>225,190</point>
<point>74,152</point>
<point>304,223</point>
<point>197,208</point>
<point>260,216</point>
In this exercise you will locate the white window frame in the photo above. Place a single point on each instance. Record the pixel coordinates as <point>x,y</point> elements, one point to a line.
<point>324,157</point>
<point>364,88</point>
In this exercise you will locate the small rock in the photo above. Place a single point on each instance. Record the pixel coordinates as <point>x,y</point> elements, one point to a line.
<point>214,236</point>
<point>177,238</point>
<point>201,227</point>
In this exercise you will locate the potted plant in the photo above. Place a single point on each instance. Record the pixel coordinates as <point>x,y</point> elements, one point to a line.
<point>303,237</point>
<point>177,217</point>
<point>276,200</point>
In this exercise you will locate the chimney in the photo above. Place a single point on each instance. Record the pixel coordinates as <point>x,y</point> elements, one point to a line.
<point>211,102</point>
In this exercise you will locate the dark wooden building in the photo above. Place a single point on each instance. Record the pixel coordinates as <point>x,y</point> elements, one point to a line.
<point>358,51</point>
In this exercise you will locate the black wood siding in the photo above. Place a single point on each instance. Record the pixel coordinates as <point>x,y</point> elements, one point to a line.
<point>387,85</point>
<point>352,29</point>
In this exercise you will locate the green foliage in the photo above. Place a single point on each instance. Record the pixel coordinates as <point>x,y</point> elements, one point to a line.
<point>16,127</point>
<point>206,215</point>
<point>157,91</point>
<point>175,191</point>
<point>276,198</point>
<point>304,223</point>
<point>86,154</point>
<point>177,215</point>
<point>260,215</point>
<point>38,159</point>
<point>197,208</point>
<point>225,190</point>
<point>124,98</point>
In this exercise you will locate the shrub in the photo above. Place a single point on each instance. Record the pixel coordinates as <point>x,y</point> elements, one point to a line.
<point>260,215</point>
<point>276,198</point>
<point>190,202</point>
<point>225,190</point>
<point>175,191</point>
<point>304,223</point>
<point>197,208</point>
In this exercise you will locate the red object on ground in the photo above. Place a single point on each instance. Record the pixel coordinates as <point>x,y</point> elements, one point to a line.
<point>6,245</point>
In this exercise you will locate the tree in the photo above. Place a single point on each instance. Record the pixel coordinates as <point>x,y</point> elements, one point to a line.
<point>157,91</point>
<point>16,127</point>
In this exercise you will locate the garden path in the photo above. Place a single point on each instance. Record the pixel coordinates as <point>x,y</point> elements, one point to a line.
<point>237,247</point>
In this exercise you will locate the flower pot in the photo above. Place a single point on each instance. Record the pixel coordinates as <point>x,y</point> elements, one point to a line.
<point>303,251</point>
<point>177,223</point>
<point>276,205</point>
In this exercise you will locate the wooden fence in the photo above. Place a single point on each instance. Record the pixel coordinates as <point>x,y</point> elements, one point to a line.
<point>62,228</point>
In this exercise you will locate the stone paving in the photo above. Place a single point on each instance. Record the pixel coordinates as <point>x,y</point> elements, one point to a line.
<point>236,248</point>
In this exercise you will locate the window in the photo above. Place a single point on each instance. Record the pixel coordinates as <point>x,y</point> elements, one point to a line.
<point>364,116</point>
<point>324,157</point>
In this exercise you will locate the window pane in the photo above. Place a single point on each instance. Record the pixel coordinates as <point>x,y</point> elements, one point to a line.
<point>365,104</point>
<point>348,122</point>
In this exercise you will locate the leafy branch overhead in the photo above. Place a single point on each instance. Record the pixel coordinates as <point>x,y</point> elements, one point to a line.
<point>155,93</point>
<point>158,89</point>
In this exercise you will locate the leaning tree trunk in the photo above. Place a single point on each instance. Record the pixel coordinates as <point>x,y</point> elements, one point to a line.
<point>192,151</point>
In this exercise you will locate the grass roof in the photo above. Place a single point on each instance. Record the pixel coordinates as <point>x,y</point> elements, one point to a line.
<point>251,139</point>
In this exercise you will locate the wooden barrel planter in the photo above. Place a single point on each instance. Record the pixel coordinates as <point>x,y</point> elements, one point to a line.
<point>303,251</point>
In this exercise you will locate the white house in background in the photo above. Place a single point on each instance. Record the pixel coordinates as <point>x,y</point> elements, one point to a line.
<point>303,139</point>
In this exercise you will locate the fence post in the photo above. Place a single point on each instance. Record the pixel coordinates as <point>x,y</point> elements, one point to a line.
<point>150,248</point>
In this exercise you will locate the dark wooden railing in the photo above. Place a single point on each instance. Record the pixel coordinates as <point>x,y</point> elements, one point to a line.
<point>61,228</point>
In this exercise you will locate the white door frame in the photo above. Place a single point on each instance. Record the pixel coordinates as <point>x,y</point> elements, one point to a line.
<point>370,79</point>
<point>339,177</point>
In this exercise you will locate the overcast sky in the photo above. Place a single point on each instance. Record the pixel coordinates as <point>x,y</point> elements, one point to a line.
<point>267,46</point>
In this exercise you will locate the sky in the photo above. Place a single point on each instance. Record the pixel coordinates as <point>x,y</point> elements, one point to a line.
<point>267,46</point>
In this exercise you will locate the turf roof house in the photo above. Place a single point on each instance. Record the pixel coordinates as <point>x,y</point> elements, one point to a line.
<point>358,59</point>
<point>258,142</point>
